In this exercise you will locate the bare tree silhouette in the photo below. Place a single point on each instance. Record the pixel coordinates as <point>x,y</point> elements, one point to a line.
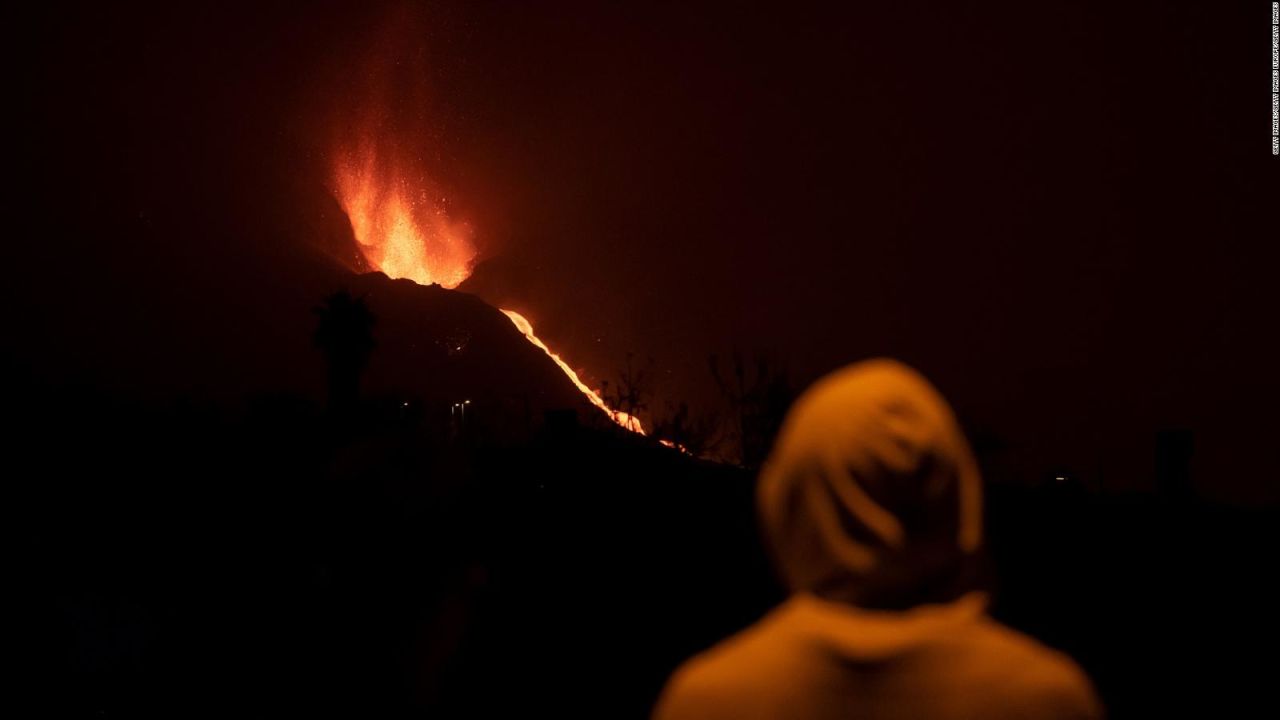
<point>630,394</point>
<point>698,434</point>
<point>758,395</point>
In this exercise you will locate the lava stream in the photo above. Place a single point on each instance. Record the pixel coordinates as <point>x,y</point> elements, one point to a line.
<point>627,421</point>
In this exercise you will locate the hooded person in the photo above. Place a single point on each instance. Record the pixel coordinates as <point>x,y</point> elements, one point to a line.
<point>872,506</point>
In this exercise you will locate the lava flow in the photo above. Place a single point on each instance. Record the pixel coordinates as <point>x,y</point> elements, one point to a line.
<point>408,235</point>
<point>627,421</point>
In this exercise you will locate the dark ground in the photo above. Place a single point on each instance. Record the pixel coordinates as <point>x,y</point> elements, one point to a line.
<point>278,561</point>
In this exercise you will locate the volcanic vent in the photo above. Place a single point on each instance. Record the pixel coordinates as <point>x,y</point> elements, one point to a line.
<point>402,228</point>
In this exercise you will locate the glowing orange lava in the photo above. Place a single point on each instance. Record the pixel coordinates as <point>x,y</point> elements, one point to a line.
<point>409,235</point>
<point>629,422</point>
<point>403,233</point>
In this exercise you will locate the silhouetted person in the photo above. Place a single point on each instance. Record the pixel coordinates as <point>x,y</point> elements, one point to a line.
<point>871,501</point>
<point>345,335</point>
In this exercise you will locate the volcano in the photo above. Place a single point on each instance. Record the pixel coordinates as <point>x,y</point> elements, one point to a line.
<point>444,348</point>
<point>401,226</point>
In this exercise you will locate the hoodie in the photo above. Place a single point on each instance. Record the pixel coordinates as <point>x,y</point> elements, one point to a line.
<point>871,502</point>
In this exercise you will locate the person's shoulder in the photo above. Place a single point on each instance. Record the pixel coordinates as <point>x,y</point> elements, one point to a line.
<point>728,673</point>
<point>734,660</point>
<point>1039,675</point>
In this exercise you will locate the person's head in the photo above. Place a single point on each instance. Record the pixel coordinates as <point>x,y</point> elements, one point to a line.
<point>871,495</point>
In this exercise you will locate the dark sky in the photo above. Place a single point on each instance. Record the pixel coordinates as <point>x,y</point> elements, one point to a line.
<point>1063,213</point>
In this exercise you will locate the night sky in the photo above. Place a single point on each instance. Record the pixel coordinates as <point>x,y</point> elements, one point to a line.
<point>1062,213</point>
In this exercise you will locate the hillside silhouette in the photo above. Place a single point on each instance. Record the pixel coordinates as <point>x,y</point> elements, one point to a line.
<point>181,555</point>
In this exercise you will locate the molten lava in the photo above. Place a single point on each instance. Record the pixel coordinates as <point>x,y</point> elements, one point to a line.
<point>627,421</point>
<point>403,233</point>
<point>409,235</point>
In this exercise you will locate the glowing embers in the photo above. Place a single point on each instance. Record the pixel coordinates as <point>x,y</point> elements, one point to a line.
<point>402,232</point>
<point>629,422</point>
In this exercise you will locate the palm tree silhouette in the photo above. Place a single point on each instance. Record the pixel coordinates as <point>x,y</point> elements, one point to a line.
<point>345,336</point>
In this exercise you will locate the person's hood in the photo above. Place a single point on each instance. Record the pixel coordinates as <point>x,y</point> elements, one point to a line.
<point>871,495</point>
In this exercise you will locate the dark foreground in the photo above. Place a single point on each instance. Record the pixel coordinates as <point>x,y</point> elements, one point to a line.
<point>277,561</point>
